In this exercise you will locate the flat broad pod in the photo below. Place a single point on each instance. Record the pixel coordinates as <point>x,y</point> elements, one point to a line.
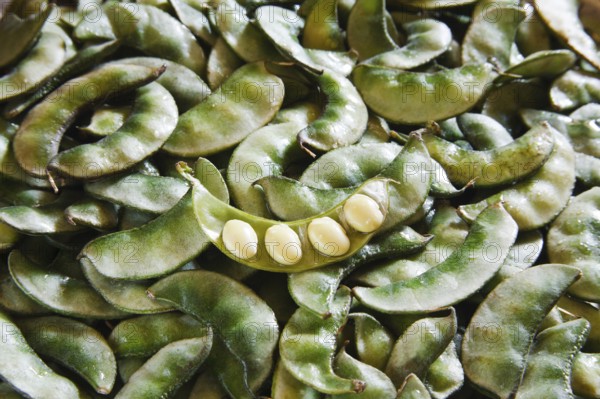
<point>295,246</point>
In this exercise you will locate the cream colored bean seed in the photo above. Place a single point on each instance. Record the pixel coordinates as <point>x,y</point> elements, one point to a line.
<point>328,237</point>
<point>363,213</point>
<point>283,244</point>
<point>240,239</point>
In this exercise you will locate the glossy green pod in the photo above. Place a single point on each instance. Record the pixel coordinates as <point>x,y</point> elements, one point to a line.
<point>461,274</point>
<point>58,292</point>
<point>418,97</point>
<point>167,370</point>
<point>322,29</point>
<point>445,376</point>
<point>585,375</point>
<point>222,62</point>
<point>246,101</point>
<point>536,200</point>
<point>245,328</point>
<point>379,385</point>
<point>572,240</point>
<point>494,167</point>
<point>575,88</point>
<point>285,386</point>
<point>483,132</point>
<point>26,372</point>
<point>501,332</point>
<point>106,120</point>
<point>368,33</point>
<point>549,364</point>
<point>76,346</point>
<point>143,336</point>
<point>310,360</point>
<point>413,388</point>
<point>38,138</point>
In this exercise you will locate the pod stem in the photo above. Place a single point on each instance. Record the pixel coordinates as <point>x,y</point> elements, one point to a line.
<point>186,172</point>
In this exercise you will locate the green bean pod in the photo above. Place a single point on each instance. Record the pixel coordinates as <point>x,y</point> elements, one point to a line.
<point>544,64</point>
<point>245,328</point>
<point>322,30</point>
<point>379,385</point>
<point>494,167</point>
<point>26,372</point>
<point>562,18</point>
<point>195,20</point>
<point>445,376</point>
<point>20,33</point>
<point>575,88</point>
<point>310,360</point>
<point>426,40</point>
<point>140,253</point>
<point>588,312</point>
<point>285,386</point>
<point>483,132</point>
<point>38,138</point>
<point>462,273</point>
<point>15,301</point>
<point>495,363</point>
<point>106,120</point>
<point>585,375</point>
<point>143,336</point>
<point>58,292</point>
<point>222,62</point>
<point>315,289</point>
<point>154,194</point>
<point>167,370</point>
<point>75,345</point>
<point>573,240</point>
<point>246,101</point>
<point>418,97</point>
<point>550,362</point>
<point>536,200</point>
<point>343,120</point>
<point>155,33</point>
<point>413,388</point>
<point>44,60</point>
<point>303,252</point>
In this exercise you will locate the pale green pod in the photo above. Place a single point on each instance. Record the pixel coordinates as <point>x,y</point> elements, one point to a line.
<point>58,292</point>
<point>222,62</point>
<point>575,88</point>
<point>550,361</point>
<point>285,386</point>
<point>106,120</point>
<point>152,119</point>
<point>374,343</point>
<point>492,33</point>
<point>310,360</point>
<point>368,32</point>
<point>97,214</point>
<point>195,20</point>
<point>483,132</point>
<point>155,33</point>
<point>501,332</point>
<point>536,200</point>
<point>342,121</point>
<point>562,18</point>
<point>587,169</point>
<point>40,63</point>
<point>10,169</point>
<point>573,240</point>
<point>128,366</point>
<point>314,290</point>
<point>245,328</point>
<point>154,194</point>
<point>418,347</point>
<point>543,64</point>
<point>283,29</point>
<point>167,370</point>
<point>426,39</point>
<point>14,300</point>
<point>379,385</point>
<point>95,25</point>
<point>86,59</point>
<point>141,253</point>
<point>495,167</point>
<point>418,97</point>
<point>26,372</point>
<point>460,275</point>
<point>184,84</point>
<point>266,152</point>
<point>38,138</point>
<point>349,166</point>
<point>246,101</point>
<point>445,375</point>
<point>207,386</point>
<point>126,295</point>
<point>76,346</point>
<point>20,33</point>
<point>588,312</point>
<point>322,29</point>
<point>413,388</point>
<point>242,34</point>
<point>49,219</point>
<point>585,375</point>
<point>143,336</point>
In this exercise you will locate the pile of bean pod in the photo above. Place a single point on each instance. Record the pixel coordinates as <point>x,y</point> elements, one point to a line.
<point>291,199</point>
